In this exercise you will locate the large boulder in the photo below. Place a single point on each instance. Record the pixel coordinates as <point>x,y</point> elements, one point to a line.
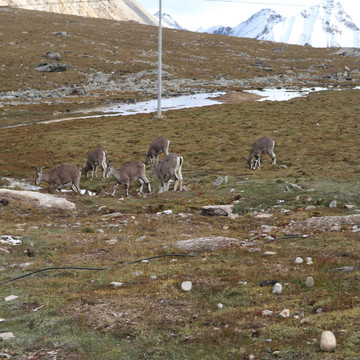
<point>50,67</point>
<point>42,200</point>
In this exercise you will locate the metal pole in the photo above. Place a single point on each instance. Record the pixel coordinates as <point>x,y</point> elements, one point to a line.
<point>159,61</point>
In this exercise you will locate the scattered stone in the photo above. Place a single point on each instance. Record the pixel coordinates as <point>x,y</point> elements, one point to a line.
<point>277,289</point>
<point>29,252</point>
<point>207,243</point>
<point>299,260</point>
<point>219,210</point>
<point>285,313</point>
<point>270,253</point>
<point>60,33</point>
<point>269,228</point>
<point>25,265</point>
<point>349,206</point>
<point>219,306</point>
<point>81,92</point>
<point>344,269</point>
<point>267,313</point>
<point>112,241</point>
<point>11,297</point>
<point>39,199</point>
<point>111,216</point>
<point>186,286</point>
<point>164,212</point>
<point>116,284</point>
<point>264,216</point>
<point>7,335</point>
<point>251,357</point>
<point>268,282</point>
<point>2,320</point>
<point>50,67</point>
<point>323,223</point>
<point>53,56</point>
<point>327,341</point>
<point>309,281</point>
<point>295,186</point>
<point>220,180</point>
<point>333,204</point>
<point>153,277</point>
<point>137,273</point>
<point>4,202</point>
<point>309,261</point>
<point>319,311</point>
<point>253,250</point>
<point>10,240</point>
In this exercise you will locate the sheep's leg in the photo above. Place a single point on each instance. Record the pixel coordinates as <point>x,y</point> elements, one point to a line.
<point>96,167</point>
<point>147,182</point>
<point>273,158</point>
<point>141,181</point>
<point>77,188</point>
<point>252,163</point>
<point>114,189</point>
<point>163,184</point>
<point>103,168</point>
<point>127,189</point>
<point>180,179</point>
<point>176,184</point>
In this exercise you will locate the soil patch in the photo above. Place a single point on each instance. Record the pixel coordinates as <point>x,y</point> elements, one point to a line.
<point>236,97</point>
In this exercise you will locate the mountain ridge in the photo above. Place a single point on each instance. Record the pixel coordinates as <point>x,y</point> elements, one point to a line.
<point>324,25</point>
<point>122,10</point>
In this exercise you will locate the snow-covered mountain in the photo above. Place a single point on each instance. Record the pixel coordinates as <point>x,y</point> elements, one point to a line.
<point>258,25</point>
<point>324,25</point>
<point>168,21</point>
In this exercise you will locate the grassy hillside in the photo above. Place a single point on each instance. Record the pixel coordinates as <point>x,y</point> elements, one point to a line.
<point>73,314</point>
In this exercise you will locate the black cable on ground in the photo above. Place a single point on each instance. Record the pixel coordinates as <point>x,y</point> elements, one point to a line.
<point>90,268</point>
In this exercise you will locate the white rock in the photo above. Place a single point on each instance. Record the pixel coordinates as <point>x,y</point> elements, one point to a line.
<point>309,281</point>
<point>7,335</point>
<point>267,313</point>
<point>10,240</point>
<point>333,204</point>
<point>112,241</point>
<point>2,320</point>
<point>137,273</point>
<point>285,313</point>
<point>116,284</point>
<point>186,286</point>
<point>277,289</point>
<point>327,341</point>
<point>270,253</point>
<point>219,306</point>
<point>309,261</point>
<point>11,297</point>
<point>153,277</point>
<point>299,260</point>
<point>164,212</point>
<point>251,357</point>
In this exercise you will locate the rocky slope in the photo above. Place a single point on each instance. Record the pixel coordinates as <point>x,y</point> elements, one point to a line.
<point>123,10</point>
